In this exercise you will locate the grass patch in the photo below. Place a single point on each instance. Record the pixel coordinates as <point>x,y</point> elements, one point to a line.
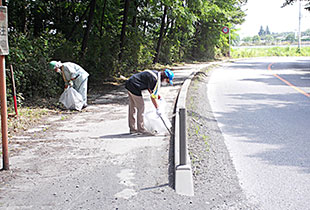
<point>26,117</point>
<point>270,51</point>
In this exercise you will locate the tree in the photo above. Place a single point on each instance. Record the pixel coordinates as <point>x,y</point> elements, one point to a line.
<point>290,2</point>
<point>269,38</point>
<point>267,31</point>
<point>290,37</point>
<point>102,18</point>
<point>161,34</point>
<point>247,39</point>
<point>115,36</point>
<point>256,39</point>
<point>123,33</point>
<point>261,32</point>
<point>89,25</point>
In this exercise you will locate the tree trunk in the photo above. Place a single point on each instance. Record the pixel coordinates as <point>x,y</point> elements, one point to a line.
<point>102,17</point>
<point>134,18</point>
<point>89,25</point>
<point>161,35</point>
<point>70,36</point>
<point>37,22</point>
<point>123,33</point>
<point>25,17</point>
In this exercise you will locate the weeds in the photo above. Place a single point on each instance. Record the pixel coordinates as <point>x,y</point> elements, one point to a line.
<point>197,128</point>
<point>271,51</point>
<point>206,142</point>
<point>26,117</point>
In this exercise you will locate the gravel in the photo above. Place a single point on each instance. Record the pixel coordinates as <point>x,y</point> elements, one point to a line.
<point>215,178</point>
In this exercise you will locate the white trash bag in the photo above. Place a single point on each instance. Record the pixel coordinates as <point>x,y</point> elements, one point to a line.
<point>152,121</point>
<point>71,99</point>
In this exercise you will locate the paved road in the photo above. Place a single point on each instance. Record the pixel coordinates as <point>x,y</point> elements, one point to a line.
<point>263,109</point>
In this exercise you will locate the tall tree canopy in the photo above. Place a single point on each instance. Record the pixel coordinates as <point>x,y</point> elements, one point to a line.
<point>109,37</point>
<point>290,2</point>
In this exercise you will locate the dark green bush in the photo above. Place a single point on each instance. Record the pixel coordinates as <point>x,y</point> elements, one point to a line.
<point>29,58</point>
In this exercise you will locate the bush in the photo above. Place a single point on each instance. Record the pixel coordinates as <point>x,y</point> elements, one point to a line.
<point>271,51</point>
<point>29,57</point>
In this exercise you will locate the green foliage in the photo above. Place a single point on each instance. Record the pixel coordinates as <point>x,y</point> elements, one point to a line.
<point>290,38</point>
<point>271,51</point>
<point>275,38</point>
<point>29,58</point>
<point>44,30</point>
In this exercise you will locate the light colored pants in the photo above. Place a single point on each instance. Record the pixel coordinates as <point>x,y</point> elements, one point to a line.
<point>135,103</point>
<point>82,89</point>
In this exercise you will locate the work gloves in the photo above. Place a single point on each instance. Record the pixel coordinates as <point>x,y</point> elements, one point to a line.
<point>158,112</point>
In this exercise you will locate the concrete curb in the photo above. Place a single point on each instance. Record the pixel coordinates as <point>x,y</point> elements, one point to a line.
<point>183,171</point>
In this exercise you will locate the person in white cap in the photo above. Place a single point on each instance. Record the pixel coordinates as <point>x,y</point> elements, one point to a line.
<point>147,80</point>
<point>73,75</point>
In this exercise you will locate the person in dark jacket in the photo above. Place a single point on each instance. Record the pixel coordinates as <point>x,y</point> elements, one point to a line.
<point>147,80</point>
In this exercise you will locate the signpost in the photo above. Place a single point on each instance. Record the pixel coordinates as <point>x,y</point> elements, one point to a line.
<point>4,50</point>
<point>226,30</point>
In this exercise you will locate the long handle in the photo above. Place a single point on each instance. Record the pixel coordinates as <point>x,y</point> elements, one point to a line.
<point>14,89</point>
<point>165,124</point>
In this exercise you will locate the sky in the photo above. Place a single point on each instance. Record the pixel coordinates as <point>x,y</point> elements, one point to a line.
<point>269,13</point>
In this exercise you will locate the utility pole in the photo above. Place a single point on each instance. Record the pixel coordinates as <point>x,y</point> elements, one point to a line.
<point>229,43</point>
<point>299,27</point>
<point>4,50</point>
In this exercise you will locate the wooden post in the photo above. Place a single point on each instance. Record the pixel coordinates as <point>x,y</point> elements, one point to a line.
<point>4,114</point>
<point>4,119</point>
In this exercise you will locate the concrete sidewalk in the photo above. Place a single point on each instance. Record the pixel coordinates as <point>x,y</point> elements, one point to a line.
<point>88,160</point>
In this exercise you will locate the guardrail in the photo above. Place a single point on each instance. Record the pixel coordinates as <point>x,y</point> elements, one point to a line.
<point>183,170</point>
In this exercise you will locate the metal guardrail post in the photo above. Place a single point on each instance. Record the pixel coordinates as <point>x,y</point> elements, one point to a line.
<point>182,119</point>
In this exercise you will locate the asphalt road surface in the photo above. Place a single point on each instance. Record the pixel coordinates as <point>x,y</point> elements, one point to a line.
<point>263,110</point>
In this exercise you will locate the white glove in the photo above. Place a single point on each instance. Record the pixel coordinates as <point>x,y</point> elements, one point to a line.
<point>158,112</point>
<point>70,83</point>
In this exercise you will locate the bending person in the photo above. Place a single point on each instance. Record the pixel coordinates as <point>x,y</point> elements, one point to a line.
<point>147,80</point>
<point>73,75</point>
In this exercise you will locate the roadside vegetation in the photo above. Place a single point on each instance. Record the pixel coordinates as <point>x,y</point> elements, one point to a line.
<point>269,51</point>
<point>111,39</point>
<point>267,38</point>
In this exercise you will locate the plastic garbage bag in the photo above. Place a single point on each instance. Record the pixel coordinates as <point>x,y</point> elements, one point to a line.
<point>152,121</point>
<point>71,99</point>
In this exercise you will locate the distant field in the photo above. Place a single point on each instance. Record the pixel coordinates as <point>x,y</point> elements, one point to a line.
<point>245,52</point>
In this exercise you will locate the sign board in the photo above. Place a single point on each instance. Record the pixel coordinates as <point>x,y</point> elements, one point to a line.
<point>4,43</point>
<point>225,30</point>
